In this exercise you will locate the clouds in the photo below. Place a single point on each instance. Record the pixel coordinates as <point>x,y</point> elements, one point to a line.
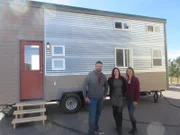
<point>173,54</point>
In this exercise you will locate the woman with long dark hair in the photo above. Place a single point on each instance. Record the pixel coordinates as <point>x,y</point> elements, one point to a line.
<point>133,95</point>
<point>117,84</point>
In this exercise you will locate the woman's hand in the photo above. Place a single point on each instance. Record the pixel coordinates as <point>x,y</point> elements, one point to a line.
<point>135,104</point>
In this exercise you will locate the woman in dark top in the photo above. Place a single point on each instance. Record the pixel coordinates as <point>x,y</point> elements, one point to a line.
<point>117,84</point>
<point>133,94</point>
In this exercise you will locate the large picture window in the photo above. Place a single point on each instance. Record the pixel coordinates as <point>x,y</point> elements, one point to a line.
<point>122,57</point>
<point>156,57</point>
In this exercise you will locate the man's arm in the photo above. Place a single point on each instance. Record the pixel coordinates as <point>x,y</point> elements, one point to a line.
<point>85,83</point>
<point>109,84</point>
<point>105,86</point>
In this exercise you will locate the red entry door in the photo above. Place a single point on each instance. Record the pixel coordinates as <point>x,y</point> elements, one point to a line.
<point>31,70</point>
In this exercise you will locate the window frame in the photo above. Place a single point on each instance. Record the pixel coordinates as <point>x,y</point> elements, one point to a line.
<point>120,21</point>
<point>63,47</point>
<point>53,68</point>
<point>130,58</point>
<point>153,28</point>
<point>157,58</point>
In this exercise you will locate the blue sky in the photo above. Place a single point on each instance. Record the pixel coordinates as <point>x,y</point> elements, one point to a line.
<point>167,9</point>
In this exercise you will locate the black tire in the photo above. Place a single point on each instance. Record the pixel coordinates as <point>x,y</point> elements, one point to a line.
<point>156,97</point>
<point>70,103</point>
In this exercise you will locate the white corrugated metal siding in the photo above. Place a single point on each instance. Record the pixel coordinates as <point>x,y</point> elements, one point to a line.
<point>88,38</point>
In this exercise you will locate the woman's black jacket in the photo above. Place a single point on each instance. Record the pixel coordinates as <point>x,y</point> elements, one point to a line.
<point>110,82</point>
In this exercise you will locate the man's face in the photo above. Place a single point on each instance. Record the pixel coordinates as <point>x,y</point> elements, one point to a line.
<point>98,67</point>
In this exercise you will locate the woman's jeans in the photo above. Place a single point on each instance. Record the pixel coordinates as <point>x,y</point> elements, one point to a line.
<point>131,110</point>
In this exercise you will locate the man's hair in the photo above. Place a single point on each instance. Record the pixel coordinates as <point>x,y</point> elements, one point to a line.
<point>98,62</point>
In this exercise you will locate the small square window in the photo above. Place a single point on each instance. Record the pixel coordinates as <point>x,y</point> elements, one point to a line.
<point>150,28</point>
<point>118,25</point>
<point>122,26</point>
<point>156,28</point>
<point>58,50</point>
<point>58,64</point>
<point>126,26</point>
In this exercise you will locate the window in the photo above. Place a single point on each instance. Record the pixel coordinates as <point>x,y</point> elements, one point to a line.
<point>151,28</point>
<point>58,50</point>
<point>118,25</point>
<point>126,26</point>
<point>58,64</point>
<point>157,57</point>
<point>31,57</point>
<point>122,57</point>
<point>122,25</point>
<point>156,28</point>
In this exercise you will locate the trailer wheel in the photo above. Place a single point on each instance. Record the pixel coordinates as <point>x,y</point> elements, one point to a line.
<point>71,103</point>
<point>156,97</point>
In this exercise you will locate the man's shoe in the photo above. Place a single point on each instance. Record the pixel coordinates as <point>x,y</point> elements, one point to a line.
<point>131,131</point>
<point>119,131</point>
<point>100,132</point>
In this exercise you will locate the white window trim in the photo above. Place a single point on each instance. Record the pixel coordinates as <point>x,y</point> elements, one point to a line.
<point>53,68</point>
<point>131,59</point>
<point>153,28</point>
<point>157,58</point>
<point>122,25</point>
<point>63,47</point>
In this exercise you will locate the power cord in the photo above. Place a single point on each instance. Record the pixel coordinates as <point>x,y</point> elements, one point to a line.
<point>170,102</point>
<point>167,125</point>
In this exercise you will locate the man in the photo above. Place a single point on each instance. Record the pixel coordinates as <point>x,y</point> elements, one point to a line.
<point>94,96</point>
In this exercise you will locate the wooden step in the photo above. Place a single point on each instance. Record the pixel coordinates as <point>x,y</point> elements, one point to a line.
<point>30,111</point>
<point>30,103</point>
<point>30,119</point>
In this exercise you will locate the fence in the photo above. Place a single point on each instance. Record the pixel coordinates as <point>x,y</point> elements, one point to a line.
<point>174,80</point>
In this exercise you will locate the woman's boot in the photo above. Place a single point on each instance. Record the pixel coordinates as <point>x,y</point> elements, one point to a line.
<point>134,130</point>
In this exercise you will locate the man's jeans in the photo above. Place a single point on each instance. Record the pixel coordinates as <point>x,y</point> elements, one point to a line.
<point>95,108</point>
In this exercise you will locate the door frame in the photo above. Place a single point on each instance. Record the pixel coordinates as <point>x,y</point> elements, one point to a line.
<point>43,64</point>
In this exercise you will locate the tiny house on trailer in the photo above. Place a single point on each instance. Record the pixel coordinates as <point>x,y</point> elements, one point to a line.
<point>46,50</point>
